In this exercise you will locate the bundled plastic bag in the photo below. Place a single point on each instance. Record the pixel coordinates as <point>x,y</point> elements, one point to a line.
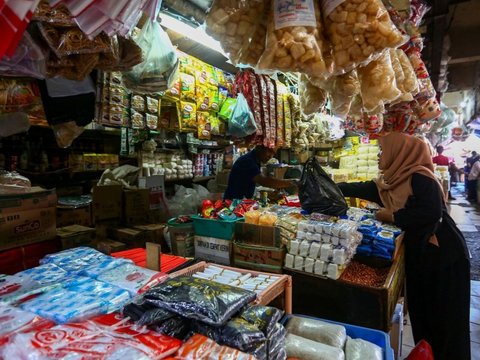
<point>359,31</point>
<point>319,331</point>
<point>199,299</point>
<point>318,192</point>
<point>358,349</point>
<point>295,40</point>
<point>157,71</point>
<point>312,98</point>
<point>301,348</point>
<point>378,84</point>
<point>242,123</point>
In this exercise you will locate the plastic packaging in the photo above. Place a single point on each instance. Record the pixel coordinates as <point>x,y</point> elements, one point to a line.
<point>359,31</point>
<point>28,60</point>
<point>344,88</point>
<point>58,15</point>
<point>318,192</point>
<point>157,71</point>
<point>242,122</point>
<point>410,83</point>
<point>15,320</point>
<point>255,48</point>
<point>295,40</point>
<point>200,347</point>
<point>358,349</point>
<point>233,23</point>
<point>378,83</point>
<point>319,331</point>
<point>312,98</point>
<point>301,348</point>
<point>199,299</point>
<point>263,317</point>
<point>15,288</point>
<point>13,183</point>
<point>406,96</point>
<point>267,219</point>
<point>47,274</point>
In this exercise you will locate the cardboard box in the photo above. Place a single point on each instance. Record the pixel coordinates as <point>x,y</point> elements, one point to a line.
<point>130,236</point>
<point>107,202</point>
<point>213,250</point>
<point>136,206</point>
<point>106,229</point>
<point>27,218</point>
<point>260,235</point>
<point>74,216</point>
<point>153,233</point>
<point>110,246</point>
<point>76,235</point>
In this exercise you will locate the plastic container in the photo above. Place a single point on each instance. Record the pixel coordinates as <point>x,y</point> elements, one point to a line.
<point>182,238</point>
<point>220,229</point>
<point>376,337</point>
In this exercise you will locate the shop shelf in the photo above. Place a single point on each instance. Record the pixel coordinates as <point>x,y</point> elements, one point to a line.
<point>376,337</point>
<point>282,286</point>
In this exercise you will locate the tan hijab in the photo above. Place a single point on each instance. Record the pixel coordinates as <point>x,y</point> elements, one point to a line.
<point>402,156</point>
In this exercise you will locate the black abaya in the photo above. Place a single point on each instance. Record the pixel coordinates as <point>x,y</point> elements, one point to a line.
<point>438,278</point>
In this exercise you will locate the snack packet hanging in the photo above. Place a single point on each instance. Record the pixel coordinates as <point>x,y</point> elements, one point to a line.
<point>188,116</point>
<point>410,83</point>
<point>187,89</point>
<point>252,53</point>
<point>233,23</point>
<point>378,85</point>
<point>399,78</point>
<point>359,31</point>
<point>203,124</point>
<point>312,98</point>
<point>344,88</point>
<point>295,40</point>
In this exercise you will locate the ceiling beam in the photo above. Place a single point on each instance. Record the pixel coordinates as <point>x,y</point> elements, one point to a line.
<point>463,60</point>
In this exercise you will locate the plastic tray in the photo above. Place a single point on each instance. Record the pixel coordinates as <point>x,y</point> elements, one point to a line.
<point>376,337</point>
<point>282,285</point>
<point>220,229</point>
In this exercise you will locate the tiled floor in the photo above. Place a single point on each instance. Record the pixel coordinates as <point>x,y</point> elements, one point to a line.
<point>467,217</point>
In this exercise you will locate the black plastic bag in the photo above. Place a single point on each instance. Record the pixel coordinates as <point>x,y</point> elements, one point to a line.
<point>177,327</point>
<point>144,313</point>
<point>198,299</point>
<point>263,317</point>
<point>318,192</point>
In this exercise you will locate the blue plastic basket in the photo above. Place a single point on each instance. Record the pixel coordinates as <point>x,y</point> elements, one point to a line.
<point>376,337</point>
<point>220,229</point>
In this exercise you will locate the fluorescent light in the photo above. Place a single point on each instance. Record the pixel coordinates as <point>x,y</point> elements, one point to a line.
<point>196,34</point>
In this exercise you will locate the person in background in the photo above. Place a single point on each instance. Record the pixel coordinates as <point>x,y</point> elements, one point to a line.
<point>442,160</point>
<point>468,167</point>
<point>437,261</point>
<point>472,181</point>
<point>246,173</point>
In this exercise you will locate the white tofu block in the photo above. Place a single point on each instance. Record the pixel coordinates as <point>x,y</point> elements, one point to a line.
<point>304,248</point>
<point>339,256</point>
<point>326,252</point>
<point>309,264</point>
<point>289,261</point>
<point>319,267</point>
<point>294,246</point>
<point>314,250</point>
<point>299,262</point>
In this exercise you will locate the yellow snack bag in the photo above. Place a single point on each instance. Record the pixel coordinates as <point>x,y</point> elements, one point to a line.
<point>188,116</point>
<point>187,87</point>
<point>215,124</point>
<point>203,123</point>
<point>287,123</point>
<point>203,99</point>
<point>214,98</point>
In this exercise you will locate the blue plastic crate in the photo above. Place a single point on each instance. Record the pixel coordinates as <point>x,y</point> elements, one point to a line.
<point>376,337</point>
<point>220,229</point>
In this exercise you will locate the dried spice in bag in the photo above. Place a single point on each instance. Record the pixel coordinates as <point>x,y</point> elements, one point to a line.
<point>359,30</point>
<point>378,83</point>
<point>295,40</point>
<point>199,299</point>
<point>233,23</point>
<point>312,98</point>
<point>58,15</point>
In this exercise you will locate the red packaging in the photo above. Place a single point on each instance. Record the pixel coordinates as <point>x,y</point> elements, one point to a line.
<point>264,101</point>
<point>272,111</point>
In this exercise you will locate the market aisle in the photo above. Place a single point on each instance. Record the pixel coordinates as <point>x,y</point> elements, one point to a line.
<point>467,217</point>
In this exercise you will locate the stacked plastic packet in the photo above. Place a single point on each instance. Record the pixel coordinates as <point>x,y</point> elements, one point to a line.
<point>323,247</point>
<point>14,288</point>
<point>287,222</point>
<point>247,281</point>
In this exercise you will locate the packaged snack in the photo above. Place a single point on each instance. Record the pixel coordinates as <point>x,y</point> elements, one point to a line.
<point>252,216</point>
<point>188,116</point>
<point>280,90</point>
<point>344,89</point>
<point>222,96</point>
<point>227,109</point>
<point>216,126</point>
<point>378,85</point>
<point>233,23</point>
<point>203,99</point>
<point>151,121</point>
<point>302,348</point>
<point>410,83</point>
<point>58,15</point>
<point>358,31</point>
<point>213,95</point>
<point>252,53</point>
<point>174,91</point>
<point>203,124</point>
<point>187,90</point>
<point>138,103</point>
<point>295,40</point>
<point>137,120</point>
<point>152,105</point>
<point>312,98</point>
<point>287,124</point>
<point>357,349</point>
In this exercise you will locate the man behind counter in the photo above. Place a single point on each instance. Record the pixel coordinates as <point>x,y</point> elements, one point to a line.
<point>246,173</point>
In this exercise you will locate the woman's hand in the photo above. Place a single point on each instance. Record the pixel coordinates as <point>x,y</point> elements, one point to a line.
<point>384,215</point>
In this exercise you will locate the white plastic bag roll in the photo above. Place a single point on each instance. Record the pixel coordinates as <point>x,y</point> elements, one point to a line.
<point>302,348</point>
<point>316,330</point>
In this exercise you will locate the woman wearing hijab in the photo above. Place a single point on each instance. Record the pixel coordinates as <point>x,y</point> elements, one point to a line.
<point>436,256</point>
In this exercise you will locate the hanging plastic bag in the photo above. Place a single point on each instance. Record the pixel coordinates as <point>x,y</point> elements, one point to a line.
<point>28,60</point>
<point>157,71</point>
<point>242,123</point>
<point>318,192</point>
<point>359,31</point>
<point>312,98</point>
<point>344,88</point>
<point>410,83</point>
<point>295,40</point>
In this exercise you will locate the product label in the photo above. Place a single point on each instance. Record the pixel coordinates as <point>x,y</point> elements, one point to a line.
<point>329,5</point>
<point>212,249</point>
<point>294,13</point>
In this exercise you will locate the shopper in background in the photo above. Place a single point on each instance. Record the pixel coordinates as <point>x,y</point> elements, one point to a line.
<point>473,180</point>
<point>436,257</point>
<point>246,172</point>
<point>442,160</point>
